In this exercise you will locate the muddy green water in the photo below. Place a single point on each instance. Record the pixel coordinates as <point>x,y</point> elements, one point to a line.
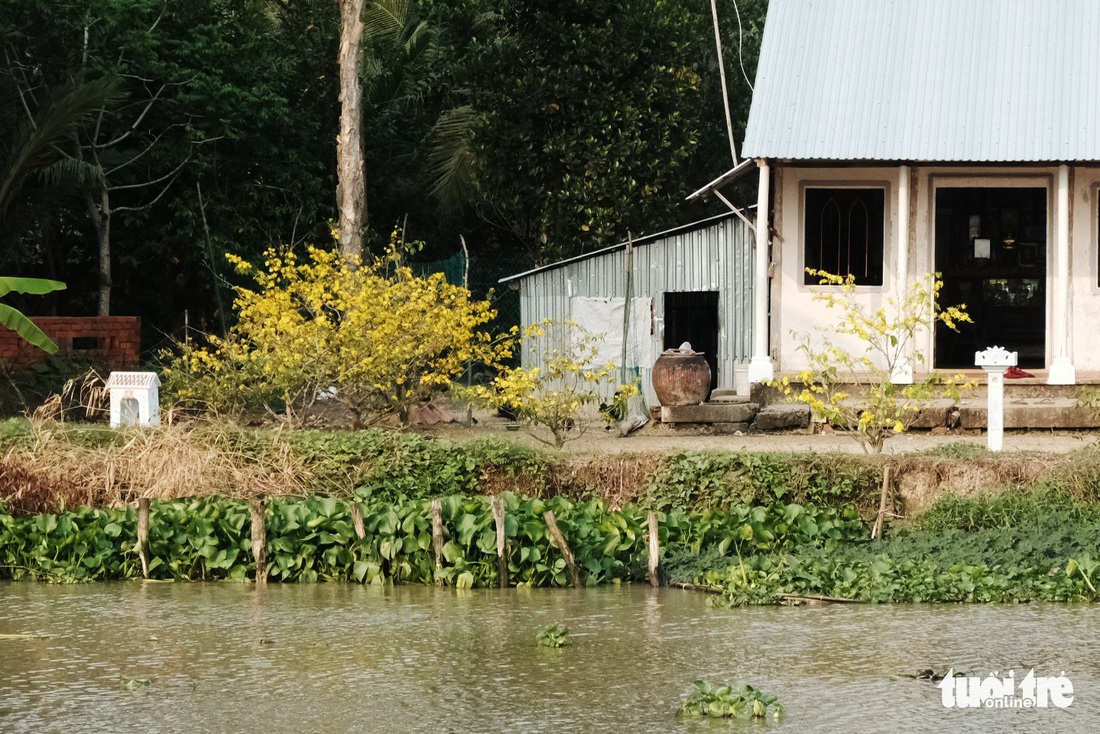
<point>342,658</point>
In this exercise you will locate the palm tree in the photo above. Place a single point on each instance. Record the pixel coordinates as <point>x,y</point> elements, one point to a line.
<point>33,154</point>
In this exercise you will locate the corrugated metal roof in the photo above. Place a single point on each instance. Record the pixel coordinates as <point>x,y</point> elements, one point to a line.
<point>928,80</point>
<point>683,229</point>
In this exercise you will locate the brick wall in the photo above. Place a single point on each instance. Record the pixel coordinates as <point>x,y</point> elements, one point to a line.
<point>112,341</point>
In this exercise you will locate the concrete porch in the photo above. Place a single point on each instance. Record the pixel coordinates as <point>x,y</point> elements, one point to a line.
<point>1030,403</point>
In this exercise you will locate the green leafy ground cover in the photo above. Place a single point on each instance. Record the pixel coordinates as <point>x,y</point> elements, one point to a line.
<point>1010,547</point>
<point>314,540</point>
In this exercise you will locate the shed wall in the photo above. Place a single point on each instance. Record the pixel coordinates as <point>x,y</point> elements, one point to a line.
<point>718,257</point>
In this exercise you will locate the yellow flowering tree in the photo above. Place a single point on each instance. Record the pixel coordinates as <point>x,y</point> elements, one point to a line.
<point>853,389</point>
<point>563,379</point>
<point>371,335</point>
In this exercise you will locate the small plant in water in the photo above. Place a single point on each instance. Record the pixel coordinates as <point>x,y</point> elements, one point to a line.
<point>130,684</point>
<point>552,636</point>
<point>742,701</point>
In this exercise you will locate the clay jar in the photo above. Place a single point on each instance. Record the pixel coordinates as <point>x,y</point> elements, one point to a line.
<point>681,377</point>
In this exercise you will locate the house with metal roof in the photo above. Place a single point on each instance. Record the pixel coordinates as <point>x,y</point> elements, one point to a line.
<point>893,139</point>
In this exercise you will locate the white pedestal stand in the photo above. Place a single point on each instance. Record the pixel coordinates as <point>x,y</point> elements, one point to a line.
<point>995,361</point>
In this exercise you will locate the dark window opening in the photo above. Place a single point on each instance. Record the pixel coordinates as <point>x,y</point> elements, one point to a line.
<point>844,233</point>
<point>85,343</point>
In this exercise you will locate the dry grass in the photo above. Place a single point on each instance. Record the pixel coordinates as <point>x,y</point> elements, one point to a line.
<point>619,479</point>
<point>921,479</point>
<point>196,460</point>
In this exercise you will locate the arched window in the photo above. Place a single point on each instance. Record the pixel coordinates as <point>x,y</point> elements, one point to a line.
<point>844,231</point>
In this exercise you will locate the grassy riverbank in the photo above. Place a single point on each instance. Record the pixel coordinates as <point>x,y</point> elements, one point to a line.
<point>1038,545</point>
<point>356,506</point>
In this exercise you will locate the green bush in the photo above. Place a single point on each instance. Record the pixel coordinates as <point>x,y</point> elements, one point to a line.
<point>699,479</point>
<point>314,539</point>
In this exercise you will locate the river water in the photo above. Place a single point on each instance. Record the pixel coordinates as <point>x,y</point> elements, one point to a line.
<point>304,658</point>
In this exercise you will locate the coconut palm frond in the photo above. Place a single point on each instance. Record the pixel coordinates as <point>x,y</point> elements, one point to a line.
<point>385,19</point>
<point>35,145</point>
<point>70,171</point>
<point>452,158</point>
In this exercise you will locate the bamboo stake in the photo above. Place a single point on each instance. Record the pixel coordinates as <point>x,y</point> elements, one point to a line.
<point>876,531</point>
<point>559,540</point>
<point>357,521</point>
<point>502,547</point>
<point>259,539</point>
<point>654,551</point>
<point>143,535</point>
<point>437,539</point>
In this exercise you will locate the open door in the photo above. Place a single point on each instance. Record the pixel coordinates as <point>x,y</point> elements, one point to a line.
<point>692,316</point>
<point>991,249</point>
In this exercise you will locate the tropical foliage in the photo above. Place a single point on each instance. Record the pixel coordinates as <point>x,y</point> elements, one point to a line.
<point>14,319</point>
<point>545,128</point>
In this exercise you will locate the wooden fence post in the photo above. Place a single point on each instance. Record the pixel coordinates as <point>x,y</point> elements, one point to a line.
<point>654,551</point>
<point>357,521</point>
<point>437,539</point>
<point>143,535</point>
<point>559,539</point>
<point>876,531</point>
<point>259,539</point>
<point>502,547</point>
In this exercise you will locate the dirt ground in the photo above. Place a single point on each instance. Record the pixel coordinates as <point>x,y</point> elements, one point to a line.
<point>662,438</point>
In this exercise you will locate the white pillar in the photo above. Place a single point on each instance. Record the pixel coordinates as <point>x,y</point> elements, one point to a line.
<point>995,408</point>
<point>903,368</point>
<point>1061,370</point>
<point>760,366</point>
<point>995,361</point>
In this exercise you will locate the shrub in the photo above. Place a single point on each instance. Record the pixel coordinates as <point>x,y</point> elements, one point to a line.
<point>879,407</point>
<point>372,336</point>
<point>565,378</point>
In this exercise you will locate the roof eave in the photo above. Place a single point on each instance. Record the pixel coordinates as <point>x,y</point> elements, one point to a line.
<point>725,179</point>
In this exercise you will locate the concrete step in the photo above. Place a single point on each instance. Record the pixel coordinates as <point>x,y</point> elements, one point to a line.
<point>724,412</point>
<point>1025,412</point>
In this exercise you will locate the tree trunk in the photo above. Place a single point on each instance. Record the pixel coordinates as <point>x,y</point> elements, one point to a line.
<point>101,217</point>
<point>351,191</point>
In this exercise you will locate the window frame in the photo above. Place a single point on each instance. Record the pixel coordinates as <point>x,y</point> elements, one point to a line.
<point>807,281</point>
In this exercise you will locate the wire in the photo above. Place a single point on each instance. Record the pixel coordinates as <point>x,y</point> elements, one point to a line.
<point>740,37</point>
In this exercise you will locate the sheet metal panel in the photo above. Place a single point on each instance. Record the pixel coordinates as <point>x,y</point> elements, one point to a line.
<point>718,257</point>
<point>928,80</point>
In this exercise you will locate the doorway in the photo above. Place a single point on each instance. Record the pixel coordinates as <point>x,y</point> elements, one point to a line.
<point>692,316</point>
<point>991,249</point>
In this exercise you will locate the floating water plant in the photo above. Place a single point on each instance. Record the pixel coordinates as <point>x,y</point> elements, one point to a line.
<point>742,701</point>
<point>131,684</point>
<point>553,636</point>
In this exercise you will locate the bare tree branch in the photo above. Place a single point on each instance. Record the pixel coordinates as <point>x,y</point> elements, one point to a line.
<point>137,122</point>
<point>153,182</point>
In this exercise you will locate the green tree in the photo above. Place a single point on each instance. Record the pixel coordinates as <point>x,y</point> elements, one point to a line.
<point>583,115</point>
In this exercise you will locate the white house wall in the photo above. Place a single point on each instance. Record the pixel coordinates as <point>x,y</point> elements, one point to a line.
<point>718,257</point>
<point>793,307</point>
<point>794,310</point>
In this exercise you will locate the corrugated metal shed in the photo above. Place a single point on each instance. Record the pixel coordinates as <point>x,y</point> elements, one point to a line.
<point>928,80</point>
<point>712,255</point>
